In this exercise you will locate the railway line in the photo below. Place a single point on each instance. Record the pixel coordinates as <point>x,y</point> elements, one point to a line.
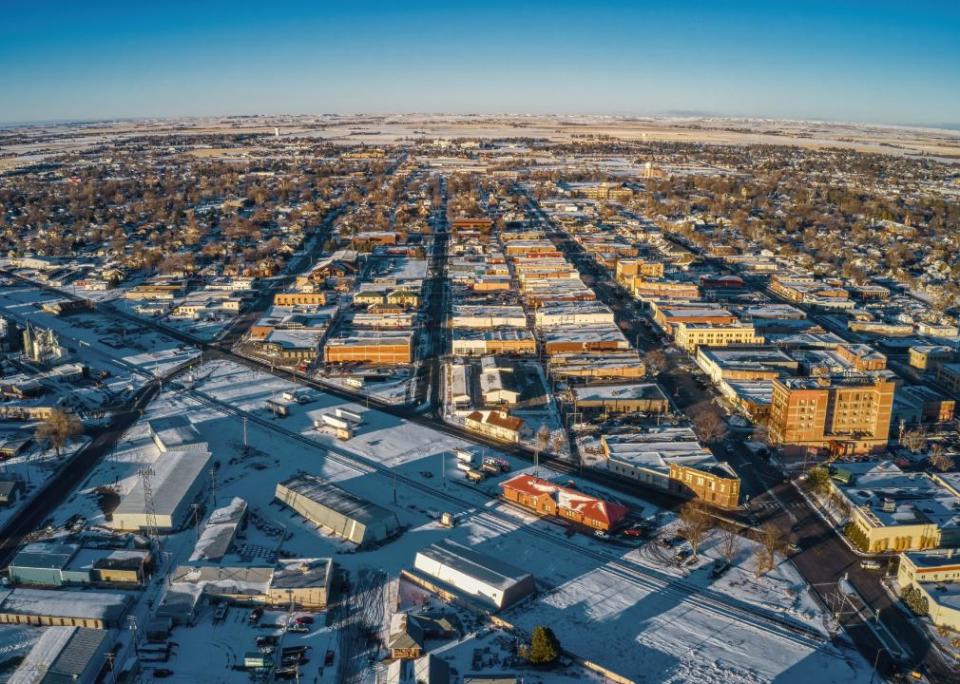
<point>645,578</point>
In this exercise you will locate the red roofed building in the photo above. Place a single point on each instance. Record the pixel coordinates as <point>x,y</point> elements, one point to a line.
<point>546,498</point>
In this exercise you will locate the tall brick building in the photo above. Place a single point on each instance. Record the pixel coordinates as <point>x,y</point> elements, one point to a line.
<point>846,414</point>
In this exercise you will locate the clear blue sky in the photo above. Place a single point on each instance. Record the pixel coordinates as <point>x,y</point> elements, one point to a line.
<point>860,61</point>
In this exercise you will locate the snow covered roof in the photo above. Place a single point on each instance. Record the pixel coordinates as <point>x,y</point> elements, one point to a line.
<point>483,568</point>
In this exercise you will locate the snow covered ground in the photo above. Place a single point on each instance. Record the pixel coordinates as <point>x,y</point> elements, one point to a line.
<point>623,605</point>
<point>130,352</point>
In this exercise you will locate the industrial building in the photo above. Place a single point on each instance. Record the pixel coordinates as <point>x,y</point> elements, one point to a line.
<point>220,531</point>
<point>301,582</point>
<point>176,483</point>
<point>53,564</point>
<point>69,608</point>
<point>65,654</point>
<point>337,510</point>
<point>473,575</point>
<point>175,433</point>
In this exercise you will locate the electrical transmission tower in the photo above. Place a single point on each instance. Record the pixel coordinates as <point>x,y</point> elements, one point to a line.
<point>149,506</point>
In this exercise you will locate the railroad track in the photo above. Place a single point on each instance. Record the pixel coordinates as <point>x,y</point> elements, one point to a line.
<point>692,594</point>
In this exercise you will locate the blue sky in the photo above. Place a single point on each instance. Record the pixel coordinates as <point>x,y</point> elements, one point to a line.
<point>858,61</point>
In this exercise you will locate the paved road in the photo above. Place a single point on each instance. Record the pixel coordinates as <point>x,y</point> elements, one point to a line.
<point>56,489</point>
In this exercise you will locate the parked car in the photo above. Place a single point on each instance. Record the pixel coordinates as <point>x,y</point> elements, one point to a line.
<point>255,615</point>
<point>633,532</point>
<point>328,658</point>
<point>600,534</point>
<point>298,628</point>
<point>304,620</point>
<point>162,672</point>
<point>720,566</point>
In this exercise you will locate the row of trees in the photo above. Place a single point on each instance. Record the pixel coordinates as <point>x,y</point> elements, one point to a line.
<point>697,524</point>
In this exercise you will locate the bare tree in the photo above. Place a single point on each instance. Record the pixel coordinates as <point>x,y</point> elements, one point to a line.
<point>771,541</point>
<point>914,440</point>
<point>707,424</point>
<point>729,544</point>
<point>939,459</point>
<point>695,524</point>
<point>542,441</point>
<point>58,428</point>
<point>655,362</point>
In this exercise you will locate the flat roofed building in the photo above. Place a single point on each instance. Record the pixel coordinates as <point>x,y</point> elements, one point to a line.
<point>482,316</point>
<point>948,375</point>
<point>475,342</point>
<point>583,338</point>
<point>690,336</point>
<point>928,356</point>
<point>850,414</point>
<point>69,608</point>
<point>623,364</point>
<point>336,509</point>
<point>745,363</point>
<point>672,459</point>
<point>381,348</point>
<point>892,510</point>
<point>642,397</point>
<point>475,575</point>
<point>175,433</point>
<point>178,479</point>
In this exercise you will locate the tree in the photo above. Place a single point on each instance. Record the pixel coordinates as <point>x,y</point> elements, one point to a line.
<point>655,362</point>
<point>695,524</point>
<point>542,442</point>
<point>818,480</point>
<point>915,600</point>
<point>914,440</point>
<point>729,544</point>
<point>939,459</point>
<point>58,429</point>
<point>544,647</point>
<point>709,426</point>
<point>771,541</point>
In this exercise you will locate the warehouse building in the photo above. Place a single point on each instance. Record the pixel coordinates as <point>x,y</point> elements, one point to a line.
<point>301,582</point>
<point>80,608</point>
<point>52,564</point>
<point>474,575</point>
<point>175,433</point>
<point>177,482</point>
<point>335,509</point>
<point>220,531</point>
<point>65,654</point>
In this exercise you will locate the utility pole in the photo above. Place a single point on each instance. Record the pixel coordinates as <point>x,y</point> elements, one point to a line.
<point>149,506</point>
<point>245,433</point>
<point>213,485</point>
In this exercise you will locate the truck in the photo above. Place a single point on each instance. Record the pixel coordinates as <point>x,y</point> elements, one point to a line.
<point>496,465</point>
<point>475,475</point>
<point>354,381</point>
<point>464,456</point>
<point>341,428</point>
<point>349,416</point>
<point>465,467</point>
<point>296,396</point>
